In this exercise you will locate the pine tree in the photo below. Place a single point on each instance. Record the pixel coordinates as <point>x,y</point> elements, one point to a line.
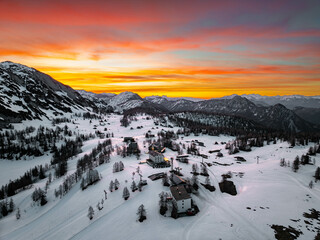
<point>99,207</point>
<point>194,180</point>
<point>18,215</point>
<point>194,183</point>
<point>50,177</point>
<point>133,186</point>
<point>47,186</point>
<point>4,209</point>
<point>311,184</point>
<point>305,159</point>
<point>317,174</point>
<point>35,195</point>
<point>163,203</point>
<point>142,215</point>
<point>82,184</point>
<point>116,184</point>
<point>126,193</point>
<point>295,165</point>
<point>116,167</point>
<point>311,151</point>
<point>43,198</point>
<point>90,213</point>
<point>121,166</point>
<point>195,168</point>
<point>41,173</point>
<point>140,185</point>
<point>11,205</point>
<point>165,180</point>
<point>111,186</point>
<point>204,170</point>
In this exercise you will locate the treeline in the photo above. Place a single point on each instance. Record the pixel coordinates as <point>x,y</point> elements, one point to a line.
<point>31,176</point>
<point>6,207</point>
<point>67,184</point>
<point>243,129</point>
<point>91,177</point>
<point>30,142</point>
<point>215,124</point>
<point>67,150</point>
<point>59,161</point>
<point>304,160</point>
<point>125,150</point>
<point>152,111</point>
<point>244,143</point>
<point>62,154</point>
<point>88,115</point>
<point>166,139</point>
<point>99,155</point>
<point>60,120</point>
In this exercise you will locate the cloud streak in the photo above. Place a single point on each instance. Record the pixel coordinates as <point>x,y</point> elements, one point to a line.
<point>207,48</point>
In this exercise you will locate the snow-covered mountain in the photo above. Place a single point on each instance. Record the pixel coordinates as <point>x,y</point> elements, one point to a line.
<point>96,95</point>
<point>156,99</point>
<point>126,100</point>
<point>26,93</point>
<point>277,117</point>
<point>306,107</point>
<point>289,101</point>
<point>121,102</point>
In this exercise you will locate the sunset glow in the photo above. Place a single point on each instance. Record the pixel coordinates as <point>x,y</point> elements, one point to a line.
<point>176,48</point>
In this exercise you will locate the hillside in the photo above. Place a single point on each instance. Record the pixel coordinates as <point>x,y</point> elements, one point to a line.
<point>276,117</point>
<point>26,93</point>
<point>267,193</point>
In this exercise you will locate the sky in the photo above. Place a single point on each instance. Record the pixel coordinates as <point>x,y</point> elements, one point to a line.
<point>200,49</point>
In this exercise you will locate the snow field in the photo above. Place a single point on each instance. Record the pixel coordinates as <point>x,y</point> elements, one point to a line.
<point>275,193</point>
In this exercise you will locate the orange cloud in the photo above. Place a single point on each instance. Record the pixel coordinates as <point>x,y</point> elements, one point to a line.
<point>206,48</point>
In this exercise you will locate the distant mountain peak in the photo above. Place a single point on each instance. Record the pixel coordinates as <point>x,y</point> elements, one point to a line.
<point>279,105</point>
<point>155,98</point>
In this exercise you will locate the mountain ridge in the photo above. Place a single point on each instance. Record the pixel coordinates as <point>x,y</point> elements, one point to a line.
<point>27,93</point>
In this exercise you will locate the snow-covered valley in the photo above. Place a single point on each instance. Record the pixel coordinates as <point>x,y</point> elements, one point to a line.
<point>267,194</point>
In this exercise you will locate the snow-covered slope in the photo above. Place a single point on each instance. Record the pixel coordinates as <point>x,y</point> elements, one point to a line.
<point>26,93</point>
<point>267,194</point>
<point>121,102</point>
<point>126,100</point>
